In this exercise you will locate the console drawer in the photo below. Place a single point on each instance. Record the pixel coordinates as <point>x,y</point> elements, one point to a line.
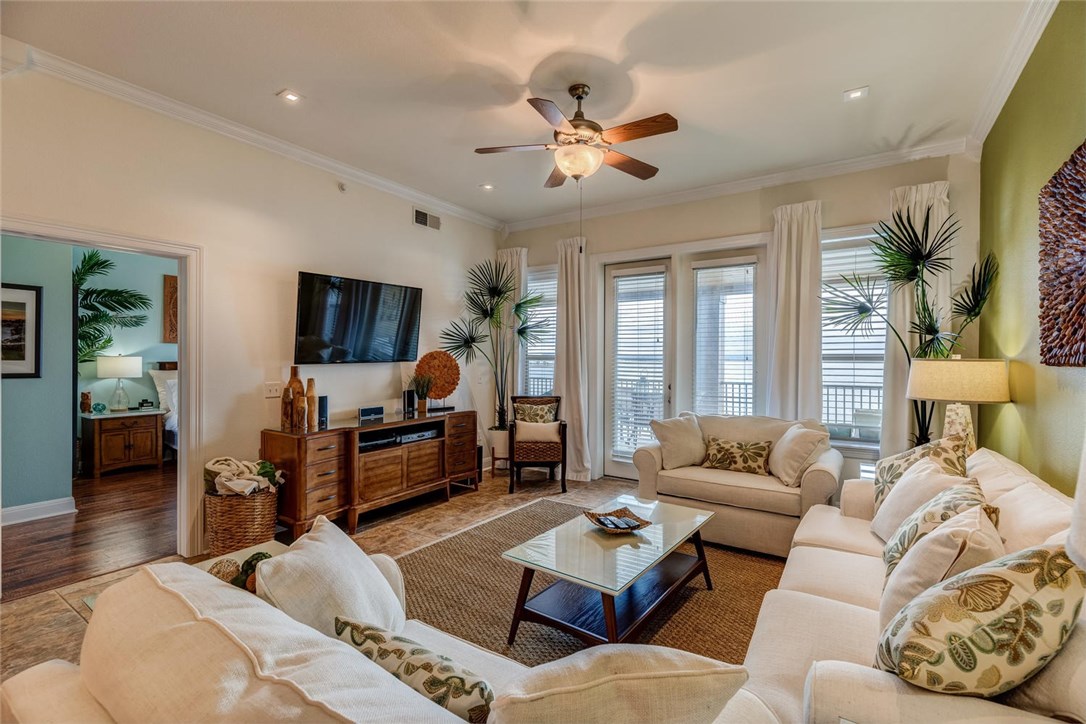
<point>136,422</point>
<point>327,447</point>
<point>325,473</point>
<point>325,499</point>
<point>461,462</point>
<point>460,444</point>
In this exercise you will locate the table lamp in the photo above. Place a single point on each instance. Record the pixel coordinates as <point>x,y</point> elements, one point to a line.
<point>961,382</point>
<point>120,367</point>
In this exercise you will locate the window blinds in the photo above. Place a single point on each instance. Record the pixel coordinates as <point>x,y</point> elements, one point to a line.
<point>724,340</point>
<point>538,358</point>
<point>637,360</point>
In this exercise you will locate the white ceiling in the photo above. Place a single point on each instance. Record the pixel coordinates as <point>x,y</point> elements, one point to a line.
<point>407,90</point>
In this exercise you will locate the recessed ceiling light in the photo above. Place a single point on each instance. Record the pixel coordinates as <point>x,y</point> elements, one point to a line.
<point>486,187</point>
<point>289,96</point>
<point>856,94</point>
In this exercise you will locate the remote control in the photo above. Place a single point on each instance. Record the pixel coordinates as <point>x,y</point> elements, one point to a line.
<point>630,522</point>
<point>620,524</point>
<point>607,521</point>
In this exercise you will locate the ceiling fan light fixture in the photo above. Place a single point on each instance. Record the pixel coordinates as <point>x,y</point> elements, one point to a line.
<point>578,160</point>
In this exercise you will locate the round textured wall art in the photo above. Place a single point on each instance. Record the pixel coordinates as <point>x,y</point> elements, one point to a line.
<point>444,370</point>
<point>1063,265</point>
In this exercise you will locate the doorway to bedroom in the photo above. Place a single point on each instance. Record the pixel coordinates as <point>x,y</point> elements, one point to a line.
<point>93,487</point>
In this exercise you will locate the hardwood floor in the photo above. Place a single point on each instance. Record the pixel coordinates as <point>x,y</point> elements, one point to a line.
<point>124,519</point>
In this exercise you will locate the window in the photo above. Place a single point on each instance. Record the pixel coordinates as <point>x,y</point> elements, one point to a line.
<point>724,339</point>
<point>852,363</point>
<point>538,364</point>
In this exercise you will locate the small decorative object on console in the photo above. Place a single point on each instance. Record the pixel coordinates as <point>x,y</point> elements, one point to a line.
<point>85,402</point>
<point>421,384</point>
<point>622,520</point>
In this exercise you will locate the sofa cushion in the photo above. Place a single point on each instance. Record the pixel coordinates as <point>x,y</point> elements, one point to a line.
<point>742,457</point>
<point>681,442</point>
<point>1059,689</point>
<point>727,487</point>
<point>1029,516</point>
<point>919,484</point>
<point>326,560</point>
<point>793,631</point>
<point>495,668</point>
<point>985,631</point>
<point>997,475</point>
<point>948,453</point>
<point>431,674</point>
<point>50,693</point>
<point>930,516</point>
<point>796,451</point>
<point>965,541</point>
<point>749,428</point>
<point>621,682</point>
<point>173,643</point>
<point>824,526</point>
<point>847,577</point>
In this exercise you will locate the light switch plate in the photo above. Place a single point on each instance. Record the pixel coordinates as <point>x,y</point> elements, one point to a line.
<point>273,389</point>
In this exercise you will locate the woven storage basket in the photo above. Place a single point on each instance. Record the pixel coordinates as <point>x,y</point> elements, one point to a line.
<point>234,522</point>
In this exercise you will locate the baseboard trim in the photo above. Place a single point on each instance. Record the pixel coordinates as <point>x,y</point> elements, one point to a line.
<point>36,511</point>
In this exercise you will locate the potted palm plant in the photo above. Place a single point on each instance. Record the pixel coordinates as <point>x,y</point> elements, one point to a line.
<point>496,322</point>
<point>910,258</point>
<point>102,310</point>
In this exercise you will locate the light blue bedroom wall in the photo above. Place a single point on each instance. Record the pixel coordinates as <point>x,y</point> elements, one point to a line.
<point>37,431</point>
<point>145,274</point>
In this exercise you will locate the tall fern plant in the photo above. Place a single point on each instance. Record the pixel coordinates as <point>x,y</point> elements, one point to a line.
<point>101,311</point>
<point>495,324</point>
<point>911,258</point>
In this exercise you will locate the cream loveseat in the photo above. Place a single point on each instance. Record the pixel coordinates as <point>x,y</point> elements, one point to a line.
<point>753,512</point>
<point>814,643</point>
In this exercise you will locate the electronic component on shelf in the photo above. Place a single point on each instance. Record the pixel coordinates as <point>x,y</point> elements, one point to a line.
<point>416,436</point>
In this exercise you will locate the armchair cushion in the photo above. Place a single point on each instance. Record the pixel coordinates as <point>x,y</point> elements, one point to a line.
<point>796,451</point>
<point>539,432</point>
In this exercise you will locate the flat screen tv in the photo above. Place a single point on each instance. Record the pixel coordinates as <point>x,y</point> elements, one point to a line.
<point>342,320</point>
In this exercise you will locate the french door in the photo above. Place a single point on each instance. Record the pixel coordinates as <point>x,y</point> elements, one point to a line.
<point>637,348</point>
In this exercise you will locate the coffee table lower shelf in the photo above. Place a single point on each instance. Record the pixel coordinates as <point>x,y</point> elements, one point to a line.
<point>599,618</point>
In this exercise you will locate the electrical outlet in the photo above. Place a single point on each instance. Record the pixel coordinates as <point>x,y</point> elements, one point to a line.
<point>273,389</point>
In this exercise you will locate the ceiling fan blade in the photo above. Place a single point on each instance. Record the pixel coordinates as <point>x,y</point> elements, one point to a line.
<point>632,166</point>
<point>556,179</point>
<point>651,126</point>
<point>527,147</point>
<point>552,114</point>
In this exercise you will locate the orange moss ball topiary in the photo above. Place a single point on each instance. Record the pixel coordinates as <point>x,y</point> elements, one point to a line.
<point>443,369</point>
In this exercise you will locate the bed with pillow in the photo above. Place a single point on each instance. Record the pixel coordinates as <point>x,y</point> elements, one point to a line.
<point>165,379</point>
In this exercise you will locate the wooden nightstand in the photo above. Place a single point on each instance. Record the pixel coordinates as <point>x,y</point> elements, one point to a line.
<point>116,440</point>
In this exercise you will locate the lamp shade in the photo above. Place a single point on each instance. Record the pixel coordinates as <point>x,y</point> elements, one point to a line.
<point>973,381</point>
<point>119,366</point>
<point>578,160</point>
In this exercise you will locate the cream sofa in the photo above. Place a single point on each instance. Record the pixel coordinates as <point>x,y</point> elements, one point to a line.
<point>814,643</point>
<point>754,512</point>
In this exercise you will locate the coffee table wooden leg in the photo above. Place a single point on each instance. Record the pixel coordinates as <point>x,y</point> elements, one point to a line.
<point>522,598</point>
<point>700,548</point>
<point>610,618</point>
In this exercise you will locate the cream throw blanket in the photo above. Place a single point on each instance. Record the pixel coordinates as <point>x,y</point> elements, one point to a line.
<point>238,477</point>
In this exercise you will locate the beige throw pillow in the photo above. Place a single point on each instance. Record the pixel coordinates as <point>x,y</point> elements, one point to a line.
<point>987,630</point>
<point>919,484</point>
<point>325,574</point>
<point>539,431</point>
<point>742,457</point>
<point>621,682</point>
<point>965,541</point>
<point>930,516</point>
<point>948,453</point>
<point>1032,516</point>
<point>680,441</point>
<point>796,451</point>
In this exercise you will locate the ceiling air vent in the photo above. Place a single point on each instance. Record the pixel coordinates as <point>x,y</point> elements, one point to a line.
<point>424,218</point>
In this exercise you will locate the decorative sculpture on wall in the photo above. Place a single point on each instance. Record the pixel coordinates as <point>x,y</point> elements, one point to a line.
<point>169,308</point>
<point>1063,264</point>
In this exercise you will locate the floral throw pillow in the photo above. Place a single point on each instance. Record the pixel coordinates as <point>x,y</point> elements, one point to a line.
<point>525,412</point>
<point>743,457</point>
<point>930,516</point>
<point>987,630</point>
<point>948,453</point>
<point>436,677</point>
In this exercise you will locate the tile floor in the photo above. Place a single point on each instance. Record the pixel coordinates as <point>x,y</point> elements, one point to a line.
<point>50,625</point>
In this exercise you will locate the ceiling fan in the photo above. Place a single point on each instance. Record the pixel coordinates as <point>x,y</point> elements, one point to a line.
<point>581,145</point>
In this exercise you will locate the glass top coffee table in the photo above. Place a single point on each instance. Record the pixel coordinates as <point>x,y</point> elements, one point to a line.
<point>609,585</point>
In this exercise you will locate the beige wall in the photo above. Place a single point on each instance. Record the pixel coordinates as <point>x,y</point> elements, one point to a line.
<point>77,157</point>
<point>847,200</point>
<point>1042,123</point>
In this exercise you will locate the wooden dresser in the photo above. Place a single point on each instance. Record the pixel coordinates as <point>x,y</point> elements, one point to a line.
<point>116,440</point>
<point>350,470</point>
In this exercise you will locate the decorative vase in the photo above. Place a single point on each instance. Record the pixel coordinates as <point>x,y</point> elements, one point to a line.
<point>420,406</point>
<point>311,404</point>
<point>297,394</point>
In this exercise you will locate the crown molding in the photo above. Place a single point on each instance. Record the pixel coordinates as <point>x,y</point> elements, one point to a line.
<point>808,173</point>
<point>107,84</point>
<point>1031,25</point>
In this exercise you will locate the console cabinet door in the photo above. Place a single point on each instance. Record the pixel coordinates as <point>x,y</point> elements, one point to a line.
<point>380,474</point>
<point>114,446</point>
<point>143,446</point>
<point>423,462</point>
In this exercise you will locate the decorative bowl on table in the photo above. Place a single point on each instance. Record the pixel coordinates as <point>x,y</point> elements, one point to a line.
<point>595,516</point>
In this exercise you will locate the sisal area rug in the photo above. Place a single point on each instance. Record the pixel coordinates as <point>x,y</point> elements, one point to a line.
<point>462,585</point>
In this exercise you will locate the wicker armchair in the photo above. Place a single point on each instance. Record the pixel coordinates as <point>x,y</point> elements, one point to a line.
<point>532,453</point>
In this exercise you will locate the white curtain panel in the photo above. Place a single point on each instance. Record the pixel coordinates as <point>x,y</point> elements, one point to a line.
<point>571,356</point>
<point>897,415</point>
<point>795,360</point>
<point>515,259</point>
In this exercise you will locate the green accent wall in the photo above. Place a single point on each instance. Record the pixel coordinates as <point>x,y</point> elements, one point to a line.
<point>37,422</point>
<point>1042,123</point>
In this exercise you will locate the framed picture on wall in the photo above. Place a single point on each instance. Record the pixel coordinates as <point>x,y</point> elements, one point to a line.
<point>20,322</point>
